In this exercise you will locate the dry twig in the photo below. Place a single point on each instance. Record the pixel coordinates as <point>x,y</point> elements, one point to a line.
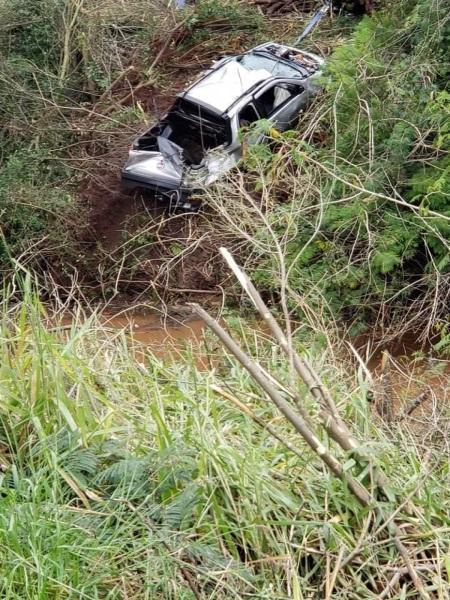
<point>303,426</point>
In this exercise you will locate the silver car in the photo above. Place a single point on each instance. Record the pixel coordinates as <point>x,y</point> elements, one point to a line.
<point>198,139</point>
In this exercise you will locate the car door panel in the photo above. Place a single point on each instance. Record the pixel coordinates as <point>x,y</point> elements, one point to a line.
<point>286,115</point>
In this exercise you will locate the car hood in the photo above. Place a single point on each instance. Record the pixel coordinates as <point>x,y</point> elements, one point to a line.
<point>162,167</point>
<point>165,168</point>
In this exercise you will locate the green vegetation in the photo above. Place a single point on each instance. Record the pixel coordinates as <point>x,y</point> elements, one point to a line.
<point>364,217</point>
<point>66,69</point>
<point>124,477</point>
<point>119,474</point>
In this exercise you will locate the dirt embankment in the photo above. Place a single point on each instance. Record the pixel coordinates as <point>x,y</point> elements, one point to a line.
<point>110,205</point>
<point>128,235</point>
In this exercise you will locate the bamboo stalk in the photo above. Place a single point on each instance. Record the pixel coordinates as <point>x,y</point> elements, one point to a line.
<point>267,427</point>
<point>336,427</point>
<point>298,422</point>
<point>328,414</point>
<point>250,413</point>
<point>302,427</point>
<point>331,427</point>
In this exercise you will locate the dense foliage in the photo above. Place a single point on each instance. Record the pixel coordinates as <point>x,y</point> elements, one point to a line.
<point>58,58</point>
<point>382,179</point>
<point>115,475</point>
<point>124,477</point>
<point>364,185</point>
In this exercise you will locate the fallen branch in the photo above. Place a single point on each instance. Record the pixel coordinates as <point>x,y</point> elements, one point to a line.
<point>117,80</point>
<point>149,71</point>
<point>415,403</point>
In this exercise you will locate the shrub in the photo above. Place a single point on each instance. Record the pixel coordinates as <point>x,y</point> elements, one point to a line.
<point>367,226</point>
<point>31,204</point>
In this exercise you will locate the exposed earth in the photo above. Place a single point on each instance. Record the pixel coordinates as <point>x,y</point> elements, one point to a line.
<point>128,245</point>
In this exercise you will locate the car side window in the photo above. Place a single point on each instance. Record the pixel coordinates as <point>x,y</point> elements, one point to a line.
<point>277,96</point>
<point>248,115</point>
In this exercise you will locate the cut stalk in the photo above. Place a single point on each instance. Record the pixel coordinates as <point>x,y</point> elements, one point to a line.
<point>298,422</point>
<point>329,416</point>
<point>302,427</point>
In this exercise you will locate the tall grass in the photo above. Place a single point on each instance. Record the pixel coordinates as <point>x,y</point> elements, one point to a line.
<point>120,475</point>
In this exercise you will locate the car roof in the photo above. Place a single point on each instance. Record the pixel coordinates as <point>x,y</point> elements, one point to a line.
<point>220,88</point>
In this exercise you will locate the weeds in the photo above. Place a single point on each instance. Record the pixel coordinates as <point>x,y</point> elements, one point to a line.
<point>117,475</point>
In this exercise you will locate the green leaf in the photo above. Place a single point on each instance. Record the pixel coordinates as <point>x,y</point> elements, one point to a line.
<point>447,565</point>
<point>349,464</point>
<point>386,261</point>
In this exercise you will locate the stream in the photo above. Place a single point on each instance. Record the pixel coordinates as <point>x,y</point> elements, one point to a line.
<point>162,335</point>
<point>400,371</point>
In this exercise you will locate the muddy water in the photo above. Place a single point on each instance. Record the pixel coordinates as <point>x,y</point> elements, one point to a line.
<point>164,336</point>
<point>397,371</point>
<point>402,370</point>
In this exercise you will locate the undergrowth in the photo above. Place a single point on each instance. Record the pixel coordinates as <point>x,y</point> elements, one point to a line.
<point>123,476</point>
<point>355,204</point>
<point>355,201</point>
<point>120,472</point>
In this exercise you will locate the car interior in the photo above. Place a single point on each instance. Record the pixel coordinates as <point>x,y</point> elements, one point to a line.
<point>195,131</point>
<point>276,96</point>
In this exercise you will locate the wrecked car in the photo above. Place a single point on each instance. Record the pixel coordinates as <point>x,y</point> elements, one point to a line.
<point>198,139</point>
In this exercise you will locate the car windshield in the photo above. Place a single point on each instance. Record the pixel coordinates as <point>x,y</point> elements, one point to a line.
<point>277,68</point>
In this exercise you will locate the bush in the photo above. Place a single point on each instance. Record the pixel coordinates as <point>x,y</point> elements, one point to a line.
<point>32,30</point>
<point>367,227</point>
<point>31,204</point>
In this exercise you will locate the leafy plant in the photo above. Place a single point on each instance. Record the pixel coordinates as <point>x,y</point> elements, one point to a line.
<point>116,475</point>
